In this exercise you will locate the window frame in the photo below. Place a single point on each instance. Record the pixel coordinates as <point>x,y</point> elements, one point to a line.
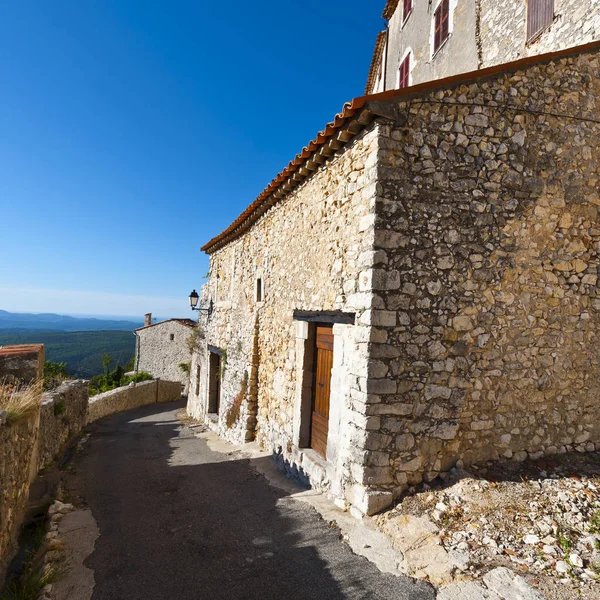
<point>406,58</point>
<point>448,21</point>
<point>531,38</point>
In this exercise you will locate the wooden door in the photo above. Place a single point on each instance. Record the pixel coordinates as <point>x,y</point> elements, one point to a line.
<point>321,390</point>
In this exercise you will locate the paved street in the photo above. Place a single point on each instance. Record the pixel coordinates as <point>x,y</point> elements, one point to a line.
<point>178,521</point>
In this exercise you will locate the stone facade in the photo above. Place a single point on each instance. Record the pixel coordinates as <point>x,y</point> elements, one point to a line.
<point>459,231</point>
<point>487,233</point>
<point>126,398</point>
<point>482,33</point>
<point>162,347</point>
<point>308,254</point>
<point>503,29</point>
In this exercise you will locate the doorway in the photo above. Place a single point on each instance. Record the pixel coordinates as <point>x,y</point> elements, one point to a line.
<point>321,392</point>
<point>214,383</point>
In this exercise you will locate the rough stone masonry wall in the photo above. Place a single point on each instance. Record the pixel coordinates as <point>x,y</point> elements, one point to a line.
<point>487,266</point>
<point>503,29</point>
<point>62,416</point>
<point>309,251</point>
<point>125,398</point>
<point>17,446</point>
<point>160,355</point>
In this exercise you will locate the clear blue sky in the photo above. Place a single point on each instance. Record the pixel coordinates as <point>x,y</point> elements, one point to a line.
<point>133,132</point>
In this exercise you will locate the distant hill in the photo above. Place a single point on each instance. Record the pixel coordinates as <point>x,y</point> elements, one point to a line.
<point>81,350</point>
<point>52,322</point>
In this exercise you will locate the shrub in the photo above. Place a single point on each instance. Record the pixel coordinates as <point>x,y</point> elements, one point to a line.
<point>20,401</point>
<point>54,374</point>
<point>185,368</point>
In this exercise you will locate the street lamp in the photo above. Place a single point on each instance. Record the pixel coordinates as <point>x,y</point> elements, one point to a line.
<point>194,299</point>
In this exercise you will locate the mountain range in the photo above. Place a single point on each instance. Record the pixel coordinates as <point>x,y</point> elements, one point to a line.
<point>53,322</point>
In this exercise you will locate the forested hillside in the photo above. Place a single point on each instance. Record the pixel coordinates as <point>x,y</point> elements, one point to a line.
<point>81,350</point>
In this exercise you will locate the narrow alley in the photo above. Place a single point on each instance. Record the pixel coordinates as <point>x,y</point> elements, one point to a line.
<point>180,521</point>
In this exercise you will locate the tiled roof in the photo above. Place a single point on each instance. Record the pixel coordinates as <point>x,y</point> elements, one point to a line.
<point>186,322</point>
<point>21,349</point>
<point>390,9</point>
<point>355,116</point>
<point>375,62</point>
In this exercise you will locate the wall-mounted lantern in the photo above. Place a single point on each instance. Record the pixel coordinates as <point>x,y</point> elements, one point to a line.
<point>194,299</point>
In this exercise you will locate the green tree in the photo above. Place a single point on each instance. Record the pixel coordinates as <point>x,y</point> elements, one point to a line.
<point>107,360</point>
<point>54,374</point>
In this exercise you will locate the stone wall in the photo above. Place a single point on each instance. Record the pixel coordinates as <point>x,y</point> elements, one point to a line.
<point>125,398</point>
<point>24,363</point>
<point>487,274</point>
<point>160,355</point>
<point>503,29</point>
<point>308,253</point>
<point>62,416</point>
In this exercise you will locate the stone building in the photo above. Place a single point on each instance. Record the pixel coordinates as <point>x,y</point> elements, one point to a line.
<point>161,347</point>
<point>419,286</point>
<point>433,39</point>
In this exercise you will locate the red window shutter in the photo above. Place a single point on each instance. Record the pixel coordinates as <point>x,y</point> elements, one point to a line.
<point>408,4</point>
<point>442,24</point>
<point>540,14</point>
<point>404,74</point>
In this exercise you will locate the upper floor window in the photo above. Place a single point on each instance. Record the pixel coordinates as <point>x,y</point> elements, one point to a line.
<point>404,73</point>
<point>407,9</point>
<point>442,24</point>
<point>259,289</point>
<point>540,14</point>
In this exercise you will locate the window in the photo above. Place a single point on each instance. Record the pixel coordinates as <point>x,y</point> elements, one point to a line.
<point>172,336</point>
<point>408,6</point>
<point>540,14</point>
<point>404,73</point>
<point>442,24</point>
<point>197,380</point>
<point>259,290</point>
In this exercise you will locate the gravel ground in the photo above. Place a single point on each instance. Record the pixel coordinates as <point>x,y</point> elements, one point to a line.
<point>540,518</point>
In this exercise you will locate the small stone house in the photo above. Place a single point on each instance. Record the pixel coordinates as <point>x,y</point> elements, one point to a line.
<point>431,39</point>
<point>419,287</point>
<point>161,347</point>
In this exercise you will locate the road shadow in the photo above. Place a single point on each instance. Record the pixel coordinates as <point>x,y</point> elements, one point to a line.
<point>180,521</point>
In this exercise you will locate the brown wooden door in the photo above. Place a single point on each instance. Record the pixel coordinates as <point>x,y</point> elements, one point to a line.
<point>321,390</point>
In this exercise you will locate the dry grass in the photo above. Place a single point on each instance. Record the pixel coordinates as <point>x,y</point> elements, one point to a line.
<point>19,401</point>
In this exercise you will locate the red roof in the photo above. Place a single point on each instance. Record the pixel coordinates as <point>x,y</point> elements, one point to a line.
<point>186,322</point>
<point>356,115</point>
<point>22,349</point>
<point>390,9</point>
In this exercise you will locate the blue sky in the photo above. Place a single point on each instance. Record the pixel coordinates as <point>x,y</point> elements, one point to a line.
<point>133,132</point>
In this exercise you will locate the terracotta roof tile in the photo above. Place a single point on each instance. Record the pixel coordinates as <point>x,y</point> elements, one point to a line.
<point>23,349</point>
<point>186,322</point>
<point>375,62</point>
<point>390,9</point>
<point>296,171</point>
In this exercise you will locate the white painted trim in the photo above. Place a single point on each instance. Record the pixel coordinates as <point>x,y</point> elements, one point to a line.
<point>408,51</point>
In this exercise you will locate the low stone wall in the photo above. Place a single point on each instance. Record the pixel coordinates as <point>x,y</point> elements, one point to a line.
<point>17,445</point>
<point>62,416</point>
<point>125,398</point>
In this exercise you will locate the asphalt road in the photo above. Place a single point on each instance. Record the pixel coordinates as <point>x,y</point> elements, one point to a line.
<point>178,521</point>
